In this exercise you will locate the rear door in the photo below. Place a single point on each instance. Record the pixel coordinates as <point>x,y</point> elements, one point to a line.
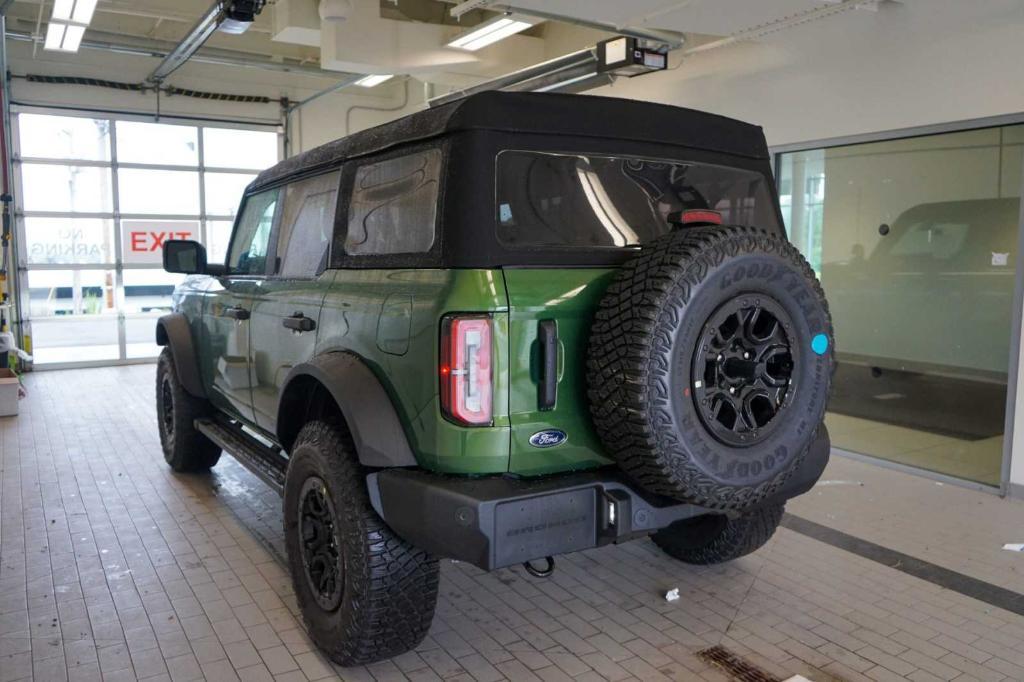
<point>227,318</point>
<point>286,306</point>
<point>550,311</point>
<point>599,204</point>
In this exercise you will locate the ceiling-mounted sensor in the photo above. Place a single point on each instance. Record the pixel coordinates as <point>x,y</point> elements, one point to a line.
<point>335,10</point>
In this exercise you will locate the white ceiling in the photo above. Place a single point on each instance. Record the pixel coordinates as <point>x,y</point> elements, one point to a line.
<point>715,17</point>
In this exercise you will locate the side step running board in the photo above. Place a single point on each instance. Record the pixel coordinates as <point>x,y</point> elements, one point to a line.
<point>267,464</point>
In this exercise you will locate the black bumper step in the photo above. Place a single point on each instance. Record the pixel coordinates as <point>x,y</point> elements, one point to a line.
<point>267,464</point>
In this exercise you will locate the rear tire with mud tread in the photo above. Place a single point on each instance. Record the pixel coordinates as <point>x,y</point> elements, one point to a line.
<point>646,331</point>
<point>704,541</point>
<point>389,586</point>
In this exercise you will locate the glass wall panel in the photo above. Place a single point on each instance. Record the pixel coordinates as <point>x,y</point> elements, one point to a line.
<point>218,234</point>
<point>69,241</point>
<point>226,148</point>
<point>147,296</point>
<point>70,189</point>
<point>224,192</point>
<point>94,287</point>
<point>915,242</point>
<point>158,191</point>
<point>74,315</point>
<point>64,137</point>
<point>157,143</point>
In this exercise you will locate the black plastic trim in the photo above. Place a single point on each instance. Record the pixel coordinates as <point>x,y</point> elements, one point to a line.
<point>547,338</point>
<point>369,413</point>
<point>173,330</point>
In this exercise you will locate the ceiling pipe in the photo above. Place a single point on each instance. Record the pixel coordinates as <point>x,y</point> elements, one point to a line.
<point>160,49</point>
<point>190,44</point>
<point>549,70</point>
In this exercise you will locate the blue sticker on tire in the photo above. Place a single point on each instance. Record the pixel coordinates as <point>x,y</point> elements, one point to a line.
<point>819,344</point>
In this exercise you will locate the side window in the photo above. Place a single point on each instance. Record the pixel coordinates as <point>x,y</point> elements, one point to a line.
<point>307,223</point>
<point>394,205</point>
<point>249,246</point>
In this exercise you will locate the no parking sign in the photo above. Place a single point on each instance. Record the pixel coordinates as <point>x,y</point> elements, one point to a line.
<point>142,241</point>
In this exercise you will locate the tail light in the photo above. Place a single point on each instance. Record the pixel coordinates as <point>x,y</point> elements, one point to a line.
<point>465,371</point>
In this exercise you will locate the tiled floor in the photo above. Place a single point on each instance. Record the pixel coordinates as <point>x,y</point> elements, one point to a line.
<point>111,566</point>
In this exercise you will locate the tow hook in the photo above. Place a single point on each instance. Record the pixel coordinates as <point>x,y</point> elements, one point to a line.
<point>540,572</point>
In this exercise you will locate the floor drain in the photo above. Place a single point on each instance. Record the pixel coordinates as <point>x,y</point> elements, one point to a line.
<point>735,666</point>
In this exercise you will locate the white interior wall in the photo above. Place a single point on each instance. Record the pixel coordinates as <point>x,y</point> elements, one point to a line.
<point>910,64</point>
<point>320,121</point>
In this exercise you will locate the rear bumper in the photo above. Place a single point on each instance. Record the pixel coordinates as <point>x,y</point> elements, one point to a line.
<point>498,521</point>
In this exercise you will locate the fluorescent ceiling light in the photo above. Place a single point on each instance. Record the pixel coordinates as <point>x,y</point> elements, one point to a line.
<point>374,79</point>
<point>490,32</point>
<point>54,36</point>
<point>83,11</point>
<point>77,11</point>
<point>63,37</point>
<point>72,38</point>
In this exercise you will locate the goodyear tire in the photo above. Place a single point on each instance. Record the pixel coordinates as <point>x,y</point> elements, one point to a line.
<point>709,365</point>
<point>364,593</point>
<point>185,448</point>
<point>715,539</point>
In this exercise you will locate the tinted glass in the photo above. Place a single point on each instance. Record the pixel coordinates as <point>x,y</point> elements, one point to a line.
<point>915,243</point>
<point>394,205</point>
<point>585,200</point>
<point>249,246</point>
<point>307,223</point>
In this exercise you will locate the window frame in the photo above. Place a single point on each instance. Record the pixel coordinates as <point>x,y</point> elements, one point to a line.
<point>246,198</point>
<point>340,259</point>
<point>272,256</point>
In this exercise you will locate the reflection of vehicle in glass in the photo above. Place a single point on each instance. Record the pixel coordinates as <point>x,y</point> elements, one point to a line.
<point>903,306</point>
<point>510,327</point>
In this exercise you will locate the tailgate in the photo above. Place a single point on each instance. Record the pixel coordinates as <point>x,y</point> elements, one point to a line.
<point>556,305</point>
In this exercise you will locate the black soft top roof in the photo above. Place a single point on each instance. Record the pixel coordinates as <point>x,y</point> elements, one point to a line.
<point>539,113</point>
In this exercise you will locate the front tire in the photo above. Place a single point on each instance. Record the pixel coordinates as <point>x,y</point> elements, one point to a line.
<point>185,448</point>
<point>364,593</point>
<point>715,539</point>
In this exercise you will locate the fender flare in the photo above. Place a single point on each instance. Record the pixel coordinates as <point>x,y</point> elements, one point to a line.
<point>367,408</point>
<point>173,330</point>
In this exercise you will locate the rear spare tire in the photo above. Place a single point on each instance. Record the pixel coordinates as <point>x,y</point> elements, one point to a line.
<point>709,365</point>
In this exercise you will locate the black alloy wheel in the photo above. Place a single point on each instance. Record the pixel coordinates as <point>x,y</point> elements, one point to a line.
<point>321,555</point>
<point>743,368</point>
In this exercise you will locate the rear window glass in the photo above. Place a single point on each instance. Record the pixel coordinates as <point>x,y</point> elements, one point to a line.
<point>592,201</point>
<point>394,205</point>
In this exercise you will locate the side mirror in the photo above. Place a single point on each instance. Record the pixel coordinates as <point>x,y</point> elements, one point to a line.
<point>184,256</point>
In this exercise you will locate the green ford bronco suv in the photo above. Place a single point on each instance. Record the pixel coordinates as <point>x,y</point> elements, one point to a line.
<point>509,327</point>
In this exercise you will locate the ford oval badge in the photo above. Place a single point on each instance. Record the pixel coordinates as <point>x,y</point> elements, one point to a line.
<point>548,439</point>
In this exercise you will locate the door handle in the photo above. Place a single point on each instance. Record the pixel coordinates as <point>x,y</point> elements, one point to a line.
<point>235,313</point>
<point>547,337</point>
<point>299,323</point>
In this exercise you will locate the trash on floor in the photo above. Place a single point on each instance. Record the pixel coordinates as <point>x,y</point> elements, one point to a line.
<point>672,595</point>
<point>1014,546</point>
<point>839,482</point>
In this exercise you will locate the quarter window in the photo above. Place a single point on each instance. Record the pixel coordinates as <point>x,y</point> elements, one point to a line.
<point>249,247</point>
<point>307,223</point>
<point>394,205</point>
